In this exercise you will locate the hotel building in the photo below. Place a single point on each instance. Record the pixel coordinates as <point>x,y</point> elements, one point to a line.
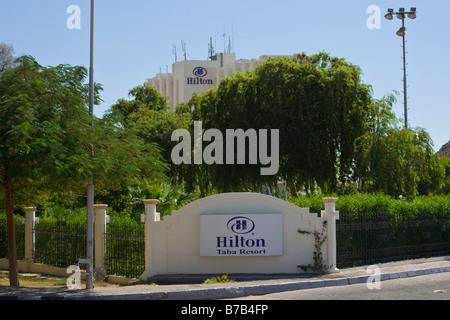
<point>198,76</point>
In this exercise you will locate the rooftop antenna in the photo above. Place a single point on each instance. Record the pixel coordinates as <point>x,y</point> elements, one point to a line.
<point>211,49</point>
<point>224,41</point>
<point>174,52</point>
<point>183,46</point>
<point>232,37</point>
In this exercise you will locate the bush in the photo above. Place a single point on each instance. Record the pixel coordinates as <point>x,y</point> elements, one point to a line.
<point>365,205</point>
<point>378,228</point>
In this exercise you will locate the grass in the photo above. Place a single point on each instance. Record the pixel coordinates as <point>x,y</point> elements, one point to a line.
<point>41,281</point>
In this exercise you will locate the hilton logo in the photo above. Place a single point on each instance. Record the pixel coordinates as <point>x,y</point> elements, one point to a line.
<point>241,225</point>
<point>199,74</point>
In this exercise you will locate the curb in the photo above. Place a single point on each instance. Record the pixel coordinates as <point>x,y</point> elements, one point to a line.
<point>240,291</point>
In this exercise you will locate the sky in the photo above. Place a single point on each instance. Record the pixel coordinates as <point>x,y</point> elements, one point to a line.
<point>134,40</point>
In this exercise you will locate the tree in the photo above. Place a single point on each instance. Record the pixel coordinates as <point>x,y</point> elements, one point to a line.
<point>149,115</point>
<point>317,102</point>
<point>142,97</point>
<point>394,160</point>
<point>123,160</point>
<point>445,162</point>
<point>6,57</point>
<point>42,131</point>
<point>46,141</point>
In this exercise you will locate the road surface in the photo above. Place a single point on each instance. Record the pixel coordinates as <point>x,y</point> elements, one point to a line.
<point>427,287</point>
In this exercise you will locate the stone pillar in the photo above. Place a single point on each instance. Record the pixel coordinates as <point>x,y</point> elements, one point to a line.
<point>30,223</point>
<point>99,240</point>
<point>330,218</point>
<point>151,217</point>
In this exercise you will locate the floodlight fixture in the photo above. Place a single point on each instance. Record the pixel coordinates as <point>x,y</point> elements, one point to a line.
<point>389,15</point>
<point>412,13</point>
<point>401,13</point>
<point>401,32</point>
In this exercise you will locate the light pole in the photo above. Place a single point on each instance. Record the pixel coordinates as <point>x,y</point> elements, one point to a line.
<point>90,187</point>
<point>401,33</point>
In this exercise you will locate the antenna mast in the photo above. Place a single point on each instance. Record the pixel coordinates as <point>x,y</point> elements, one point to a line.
<point>232,37</point>
<point>174,52</point>
<point>183,46</point>
<point>211,49</point>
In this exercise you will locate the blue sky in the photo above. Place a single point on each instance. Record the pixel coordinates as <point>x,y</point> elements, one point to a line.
<point>134,39</point>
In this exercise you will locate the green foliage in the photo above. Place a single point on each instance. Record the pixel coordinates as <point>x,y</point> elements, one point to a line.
<point>149,115</point>
<point>399,162</point>
<point>218,279</point>
<point>332,131</point>
<point>46,139</point>
<point>318,265</point>
<point>55,214</point>
<point>143,97</point>
<point>170,196</point>
<point>6,57</point>
<point>367,205</point>
<point>445,162</point>
<point>122,159</point>
<point>318,102</point>
<point>43,125</point>
<point>314,202</point>
<point>47,143</point>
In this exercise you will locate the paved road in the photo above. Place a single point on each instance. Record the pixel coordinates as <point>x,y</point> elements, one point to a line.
<point>427,287</point>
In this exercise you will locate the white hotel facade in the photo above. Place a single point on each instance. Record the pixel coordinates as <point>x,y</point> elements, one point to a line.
<point>198,76</point>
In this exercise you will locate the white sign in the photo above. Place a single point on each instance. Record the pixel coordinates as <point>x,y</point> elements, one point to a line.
<point>241,235</point>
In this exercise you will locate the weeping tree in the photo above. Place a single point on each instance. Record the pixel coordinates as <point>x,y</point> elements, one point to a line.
<point>319,103</point>
<point>395,160</point>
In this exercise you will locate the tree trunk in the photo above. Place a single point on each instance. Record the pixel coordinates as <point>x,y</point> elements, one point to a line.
<point>12,253</point>
<point>292,187</point>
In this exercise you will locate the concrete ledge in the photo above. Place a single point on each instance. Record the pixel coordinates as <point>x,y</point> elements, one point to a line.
<point>221,291</point>
<point>31,267</point>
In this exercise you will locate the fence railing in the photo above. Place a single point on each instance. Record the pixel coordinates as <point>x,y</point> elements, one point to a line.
<point>125,250</point>
<point>59,244</point>
<point>363,240</point>
<point>376,239</point>
<point>20,240</point>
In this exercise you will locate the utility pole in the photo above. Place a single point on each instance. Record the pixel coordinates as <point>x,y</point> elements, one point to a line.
<point>90,187</point>
<point>405,87</point>
<point>401,14</point>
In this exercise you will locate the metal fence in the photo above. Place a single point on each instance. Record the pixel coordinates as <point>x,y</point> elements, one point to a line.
<point>125,250</point>
<point>59,244</point>
<point>20,240</point>
<point>366,240</point>
<point>363,240</point>
<point>62,243</point>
